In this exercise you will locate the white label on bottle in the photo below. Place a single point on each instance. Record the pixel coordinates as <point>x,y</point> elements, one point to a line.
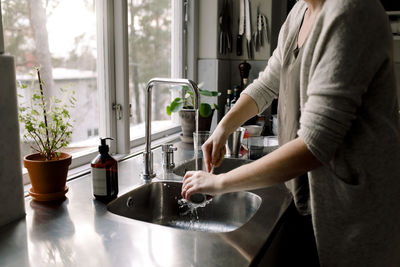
<point>99,179</point>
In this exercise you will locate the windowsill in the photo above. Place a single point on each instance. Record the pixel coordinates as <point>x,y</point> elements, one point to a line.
<point>162,132</point>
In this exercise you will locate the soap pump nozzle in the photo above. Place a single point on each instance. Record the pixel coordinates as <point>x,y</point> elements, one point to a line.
<point>103,147</point>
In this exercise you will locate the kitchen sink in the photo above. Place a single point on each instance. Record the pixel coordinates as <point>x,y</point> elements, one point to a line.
<point>161,203</point>
<point>233,227</point>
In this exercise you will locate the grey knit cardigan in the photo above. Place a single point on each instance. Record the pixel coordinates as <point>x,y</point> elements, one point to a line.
<point>350,122</point>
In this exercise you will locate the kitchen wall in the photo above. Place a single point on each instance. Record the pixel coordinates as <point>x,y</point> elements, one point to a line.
<point>221,72</point>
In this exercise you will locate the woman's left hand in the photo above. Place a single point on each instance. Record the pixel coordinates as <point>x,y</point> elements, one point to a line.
<point>200,182</point>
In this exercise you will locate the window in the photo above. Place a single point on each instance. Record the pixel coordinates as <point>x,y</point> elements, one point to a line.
<point>149,31</point>
<point>60,37</point>
<point>78,44</point>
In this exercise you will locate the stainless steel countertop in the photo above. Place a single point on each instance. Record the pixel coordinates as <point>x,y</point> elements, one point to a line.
<point>81,232</point>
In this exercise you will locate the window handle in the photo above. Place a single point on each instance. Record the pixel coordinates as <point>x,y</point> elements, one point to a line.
<point>118,109</point>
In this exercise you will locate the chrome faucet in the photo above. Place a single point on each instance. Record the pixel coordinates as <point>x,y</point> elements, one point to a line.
<point>148,173</point>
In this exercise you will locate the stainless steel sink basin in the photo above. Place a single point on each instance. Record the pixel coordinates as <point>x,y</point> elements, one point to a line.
<point>159,203</point>
<point>230,231</point>
<point>226,165</point>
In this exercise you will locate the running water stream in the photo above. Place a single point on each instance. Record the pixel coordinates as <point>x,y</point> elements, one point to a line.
<point>183,203</point>
<point>196,140</point>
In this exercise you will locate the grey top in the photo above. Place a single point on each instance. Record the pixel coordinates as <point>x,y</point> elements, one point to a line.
<point>349,121</point>
<point>289,116</point>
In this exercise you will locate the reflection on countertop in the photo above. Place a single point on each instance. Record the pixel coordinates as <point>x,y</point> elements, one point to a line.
<point>81,232</point>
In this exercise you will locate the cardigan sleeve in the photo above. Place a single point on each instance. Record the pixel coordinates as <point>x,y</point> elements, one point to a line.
<point>350,50</point>
<point>266,87</point>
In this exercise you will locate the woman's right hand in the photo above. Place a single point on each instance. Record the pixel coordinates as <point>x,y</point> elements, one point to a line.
<point>214,148</point>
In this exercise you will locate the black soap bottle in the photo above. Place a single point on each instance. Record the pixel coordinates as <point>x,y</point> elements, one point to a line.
<point>104,174</point>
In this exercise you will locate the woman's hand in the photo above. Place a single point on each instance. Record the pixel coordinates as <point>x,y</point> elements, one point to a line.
<point>214,148</point>
<point>200,182</point>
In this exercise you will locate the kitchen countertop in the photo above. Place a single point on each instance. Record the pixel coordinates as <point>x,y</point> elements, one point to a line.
<point>81,232</point>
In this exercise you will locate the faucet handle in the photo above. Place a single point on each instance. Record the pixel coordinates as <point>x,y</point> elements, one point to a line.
<point>168,155</point>
<point>168,148</point>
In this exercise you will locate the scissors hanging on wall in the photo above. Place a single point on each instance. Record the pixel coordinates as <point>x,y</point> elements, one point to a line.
<point>261,33</point>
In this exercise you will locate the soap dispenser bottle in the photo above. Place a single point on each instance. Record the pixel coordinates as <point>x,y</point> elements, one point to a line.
<point>104,174</point>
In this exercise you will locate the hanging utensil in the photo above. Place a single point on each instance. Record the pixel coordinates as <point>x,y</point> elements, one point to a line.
<point>222,42</point>
<point>225,37</point>
<point>257,35</point>
<point>261,34</point>
<point>248,30</point>
<point>265,27</point>
<point>227,26</point>
<point>221,35</point>
<point>260,40</point>
<point>239,40</point>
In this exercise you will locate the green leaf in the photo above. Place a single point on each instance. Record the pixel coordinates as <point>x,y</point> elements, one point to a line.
<point>216,106</point>
<point>205,110</point>
<point>65,113</point>
<point>186,88</point>
<point>209,93</point>
<point>29,128</point>
<point>176,105</point>
<point>177,100</point>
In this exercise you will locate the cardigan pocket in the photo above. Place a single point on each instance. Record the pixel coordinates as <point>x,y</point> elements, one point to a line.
<point>347,190</point>
<point>345,169</point>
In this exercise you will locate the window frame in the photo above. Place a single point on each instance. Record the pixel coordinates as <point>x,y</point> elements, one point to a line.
<point>113,71</point>
<point>113,76</point>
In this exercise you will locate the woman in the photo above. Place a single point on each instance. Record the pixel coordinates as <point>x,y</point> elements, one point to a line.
<point>338,129</point>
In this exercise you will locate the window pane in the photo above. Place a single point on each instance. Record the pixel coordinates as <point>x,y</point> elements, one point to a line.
<point>60,37</point>
<point>149,56</point>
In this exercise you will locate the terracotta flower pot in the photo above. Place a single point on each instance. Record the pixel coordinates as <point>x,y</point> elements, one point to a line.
<point>48,177</point>
<point>187,119</point>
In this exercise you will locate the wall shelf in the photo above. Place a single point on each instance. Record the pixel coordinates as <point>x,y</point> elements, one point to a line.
<point>393,13</point>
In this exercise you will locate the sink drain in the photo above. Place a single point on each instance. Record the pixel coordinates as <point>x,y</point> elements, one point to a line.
<point>129,202</point>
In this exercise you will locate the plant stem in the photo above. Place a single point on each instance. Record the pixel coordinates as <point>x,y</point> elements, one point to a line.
<point>58,140</point>
<point>35,149</point>
<point>34,136</point>
<point>44,112</point>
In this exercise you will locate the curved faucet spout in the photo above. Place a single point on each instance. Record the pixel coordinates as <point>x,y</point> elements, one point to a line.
<point>148,173</point>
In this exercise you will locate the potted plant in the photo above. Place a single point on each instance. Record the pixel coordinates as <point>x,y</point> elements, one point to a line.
<point>47,128</point>
<point>185,107</point>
